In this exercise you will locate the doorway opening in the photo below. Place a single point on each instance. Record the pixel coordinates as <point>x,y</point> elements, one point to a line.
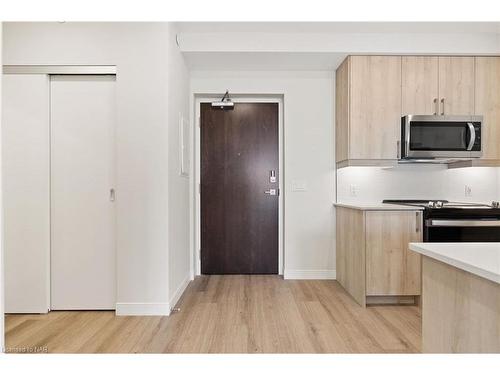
<point>238,186</point>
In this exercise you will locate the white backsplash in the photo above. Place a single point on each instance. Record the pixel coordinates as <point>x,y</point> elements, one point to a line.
<point>373,184</point>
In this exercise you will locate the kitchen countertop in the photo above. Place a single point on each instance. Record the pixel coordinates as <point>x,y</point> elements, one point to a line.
<point>479,258</point>
<point>378,206</point>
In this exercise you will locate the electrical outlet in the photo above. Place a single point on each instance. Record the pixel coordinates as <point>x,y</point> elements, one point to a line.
<point>467,191</point>
<point>353,190</point>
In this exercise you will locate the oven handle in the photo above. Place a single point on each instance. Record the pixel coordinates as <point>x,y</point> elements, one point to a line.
<point>472,136</point>
<point>462,223</point>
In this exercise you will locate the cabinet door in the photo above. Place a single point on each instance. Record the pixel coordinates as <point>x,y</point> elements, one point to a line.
<point>487,85</point>
<point>456,85</point>
<point>351,252</point>
<point>420,85</point>
<point>342,112</point>
<point>375,107</point>
<point>391,268</point>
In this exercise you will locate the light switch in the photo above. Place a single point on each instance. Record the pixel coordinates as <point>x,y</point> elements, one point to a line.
<point>299,185</point>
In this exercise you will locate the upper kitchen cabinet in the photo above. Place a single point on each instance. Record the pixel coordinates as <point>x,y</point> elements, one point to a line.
<point>420,91</point>
<point>487,84</point>
<point>437,85</point>
<point>368,108</point>
<point>456,85</point>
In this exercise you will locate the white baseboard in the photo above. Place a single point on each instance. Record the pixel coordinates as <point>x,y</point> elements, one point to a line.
<point>178,293</point>
<point>161,309</point>
<point>310,274</point>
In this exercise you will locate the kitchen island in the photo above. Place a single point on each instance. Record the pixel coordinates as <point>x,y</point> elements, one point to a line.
<point>461,297</point>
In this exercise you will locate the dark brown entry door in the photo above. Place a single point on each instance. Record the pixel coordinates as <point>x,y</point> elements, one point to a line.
<point>239,216</point>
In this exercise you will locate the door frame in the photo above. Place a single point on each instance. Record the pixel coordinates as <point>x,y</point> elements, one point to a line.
<point>196,157</point>
<point>78,70</point>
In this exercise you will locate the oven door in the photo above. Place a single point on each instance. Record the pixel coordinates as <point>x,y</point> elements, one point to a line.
<point>441,136</point>
<point>473,230</point>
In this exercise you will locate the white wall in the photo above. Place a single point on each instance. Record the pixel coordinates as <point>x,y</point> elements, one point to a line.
<point>1,219</point>
<point>374,184</point>
<point>483,182</point>
<point>178,186</point>
<point>308,157</point>
<point>498,185</point>
<point>139,50</point>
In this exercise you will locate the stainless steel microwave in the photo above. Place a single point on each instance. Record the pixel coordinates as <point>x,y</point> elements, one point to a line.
<point>441,137</point>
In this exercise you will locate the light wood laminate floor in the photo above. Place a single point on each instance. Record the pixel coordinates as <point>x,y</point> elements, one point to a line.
<point>232,314</point>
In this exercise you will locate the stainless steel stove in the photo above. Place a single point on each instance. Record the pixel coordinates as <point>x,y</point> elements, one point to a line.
<point>445,221</point>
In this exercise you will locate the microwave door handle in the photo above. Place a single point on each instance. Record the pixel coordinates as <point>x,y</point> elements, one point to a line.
<point>472,136</point>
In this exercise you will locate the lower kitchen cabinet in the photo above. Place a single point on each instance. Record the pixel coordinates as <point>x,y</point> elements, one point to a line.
<point>374,263</point>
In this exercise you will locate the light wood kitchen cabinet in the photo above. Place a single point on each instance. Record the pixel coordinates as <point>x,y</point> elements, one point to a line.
<point>342,112</point>
<point>420,85</point>
<point>487,88</point>
<point>391,269</point>
<point>350,252</point>
<point>374,264</point>
<point>374,92</point>
<point>434,85</point>
<point>369,109</point>
<point>456,85</point>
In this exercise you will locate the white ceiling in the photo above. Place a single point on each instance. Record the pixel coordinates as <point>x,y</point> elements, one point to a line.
<point>274,46</point>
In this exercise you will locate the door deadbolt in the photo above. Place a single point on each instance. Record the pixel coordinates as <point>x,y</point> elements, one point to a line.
<point>272,176</point>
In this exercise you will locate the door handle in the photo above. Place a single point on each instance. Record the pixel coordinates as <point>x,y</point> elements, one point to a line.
<point>472,136</point>
<point>112,195</point>
<point>417,222</point>
<point>272,192</point>
<point>462,223</point>
<point>436,106</point>
<point>442,111</point>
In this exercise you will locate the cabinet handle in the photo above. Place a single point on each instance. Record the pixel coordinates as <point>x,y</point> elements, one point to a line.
<point>417,222</point>
<point>442,111</point>
<point>436,106</point>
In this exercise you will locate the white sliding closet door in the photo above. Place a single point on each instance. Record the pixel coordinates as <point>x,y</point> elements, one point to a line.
<point>25,154</point>
<point>83,274</point>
